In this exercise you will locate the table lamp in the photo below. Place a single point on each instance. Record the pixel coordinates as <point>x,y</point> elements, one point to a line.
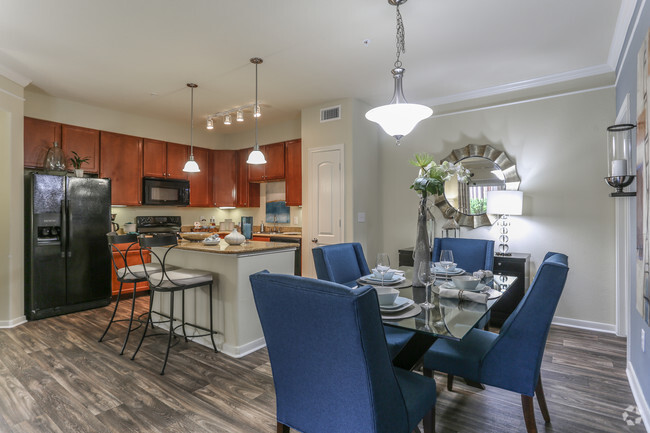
<point>504,203</point>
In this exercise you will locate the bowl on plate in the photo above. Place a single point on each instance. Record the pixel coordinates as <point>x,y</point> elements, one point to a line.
<point>386,295</point>
<point>387,276</point>
<point>439,266</point>
<point>195,236</point>
<point>465,282</point>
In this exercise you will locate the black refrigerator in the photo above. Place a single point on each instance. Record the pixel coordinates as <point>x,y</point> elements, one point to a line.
<point>67,262</point>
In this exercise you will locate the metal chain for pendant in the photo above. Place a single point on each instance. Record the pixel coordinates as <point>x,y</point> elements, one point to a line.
<point>400,37</point>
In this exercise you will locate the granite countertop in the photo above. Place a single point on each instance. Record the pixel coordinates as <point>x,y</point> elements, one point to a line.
<point>291,235</point>
<point>224,248</point>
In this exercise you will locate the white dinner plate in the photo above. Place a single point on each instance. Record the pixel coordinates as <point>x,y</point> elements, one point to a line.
<point>455,271</point>
<point>399,305</point>
<point>374,280</point>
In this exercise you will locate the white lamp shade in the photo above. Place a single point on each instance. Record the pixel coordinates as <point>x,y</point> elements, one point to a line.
<point>502,202</point>
<point>256,157</point>
<point>398,120</point>
<point>191,166</point>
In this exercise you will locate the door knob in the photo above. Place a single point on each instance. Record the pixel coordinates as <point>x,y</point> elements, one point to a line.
<point>315,240</point>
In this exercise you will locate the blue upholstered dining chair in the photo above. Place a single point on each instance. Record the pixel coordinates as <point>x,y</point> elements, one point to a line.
<point>345,264</point>
<point>469,254</point>
<point>509,360</point>
<point>331,367</point>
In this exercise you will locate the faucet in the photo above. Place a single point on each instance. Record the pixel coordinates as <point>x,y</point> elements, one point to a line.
<point>275,223</point>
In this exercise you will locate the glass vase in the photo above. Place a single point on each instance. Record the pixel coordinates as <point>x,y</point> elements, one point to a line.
<point>55,160</point>
<point>422,249</point>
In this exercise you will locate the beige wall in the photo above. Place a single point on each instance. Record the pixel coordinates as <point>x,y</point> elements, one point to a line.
<point>11,193</point>
<point>558,145</point>
<point>284,131</point>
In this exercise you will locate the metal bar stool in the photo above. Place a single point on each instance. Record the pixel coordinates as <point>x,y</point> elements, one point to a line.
<point>166,279</point>
<point>126,274</point>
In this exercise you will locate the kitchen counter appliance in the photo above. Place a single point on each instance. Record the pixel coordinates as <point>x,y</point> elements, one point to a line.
<point>67,263</point>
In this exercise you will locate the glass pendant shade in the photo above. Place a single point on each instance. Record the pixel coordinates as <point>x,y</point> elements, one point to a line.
<point>256,157</point>
<point>256,111</point>
<point>191,166</point>
<point>55,160</point>
<point>226,120</point>
<point>398,118</point>
<point>240,116</point>
<point>210,124</point>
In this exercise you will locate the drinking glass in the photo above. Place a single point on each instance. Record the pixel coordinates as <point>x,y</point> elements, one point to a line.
<point>383,265</point>
<point>427,274</point>
<point>447,259</point>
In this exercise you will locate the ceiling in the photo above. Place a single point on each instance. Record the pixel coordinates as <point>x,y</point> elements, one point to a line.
<point>137,56</point>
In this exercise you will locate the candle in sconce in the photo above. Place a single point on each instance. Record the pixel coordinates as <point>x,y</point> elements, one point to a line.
<point>619,167</point>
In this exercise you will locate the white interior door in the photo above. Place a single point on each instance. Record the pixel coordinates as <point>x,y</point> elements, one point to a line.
<point>326,199</point>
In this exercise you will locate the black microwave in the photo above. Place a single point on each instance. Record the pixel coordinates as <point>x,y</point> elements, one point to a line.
<point>165,192</point>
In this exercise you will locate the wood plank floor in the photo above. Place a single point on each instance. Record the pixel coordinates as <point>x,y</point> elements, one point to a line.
<point>56,377</point>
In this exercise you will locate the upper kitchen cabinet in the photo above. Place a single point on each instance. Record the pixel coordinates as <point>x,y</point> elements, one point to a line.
<point>293,173</point>
<point>200,188</point>
<point>39,136</point>
<point>121,161</point>
<point>83,141</point>
<point>274,167</point>
<point>164,160</point>
<point>248,194</point>
<point>223,164</point>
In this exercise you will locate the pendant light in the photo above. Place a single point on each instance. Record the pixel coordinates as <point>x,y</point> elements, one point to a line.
<point>398,118</point>
<point>191,166</point>
<point>256,156</point>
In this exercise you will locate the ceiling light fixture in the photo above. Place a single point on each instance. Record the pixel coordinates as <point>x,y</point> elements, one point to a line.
<point>256,156</point>
<point>240,116</point>
<point>256,111</point>
<point>191,166</point>
<point>398,118</point>
<point>227,120</point>
<point>210,123</point>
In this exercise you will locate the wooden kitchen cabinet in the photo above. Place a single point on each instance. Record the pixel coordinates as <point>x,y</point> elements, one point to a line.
<point>223,164</point>
<point>85,142</point>
<point>39,136</point>
<point>200,188</point>
<point>121,161</point>
<point>164,160</point>
<point>248,194</point>
<point>261,238</point>
<point>293,172</point>
<point>132,259</point>
<point>274,167</point>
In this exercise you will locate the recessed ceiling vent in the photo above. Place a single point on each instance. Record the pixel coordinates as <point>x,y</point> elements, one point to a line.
<point>329,114</point>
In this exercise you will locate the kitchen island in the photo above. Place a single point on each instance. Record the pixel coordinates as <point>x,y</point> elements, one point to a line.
<point>235,315</point>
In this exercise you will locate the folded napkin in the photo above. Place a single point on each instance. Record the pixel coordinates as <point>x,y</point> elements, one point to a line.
<point>455,304</point>
<point>481,274</point>
<point>463,295</point>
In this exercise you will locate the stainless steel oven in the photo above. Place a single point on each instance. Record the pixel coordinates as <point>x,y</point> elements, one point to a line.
<point>165,192</point>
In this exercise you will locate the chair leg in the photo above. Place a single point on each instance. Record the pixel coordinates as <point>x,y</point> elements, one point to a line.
<point>183,314</point>
<point>211,325</point>
<point>450,381</point>
<point>144,333</point>
<point>529,413</point>
<point>110,322</point>
<point>282,428</point>
<point>541,400</point>
<point>429,421</point>
<point>427,373</point>
<point>128,332</point>
<point>171,330</point>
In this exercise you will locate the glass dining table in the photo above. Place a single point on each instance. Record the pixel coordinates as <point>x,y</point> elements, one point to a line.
<point>449,317</point>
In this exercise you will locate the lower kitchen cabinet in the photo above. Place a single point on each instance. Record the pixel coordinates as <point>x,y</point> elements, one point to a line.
<point>517,265</point>
<point>132,258</point>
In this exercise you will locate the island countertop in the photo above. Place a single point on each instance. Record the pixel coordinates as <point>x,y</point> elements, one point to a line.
<point>224,248</point>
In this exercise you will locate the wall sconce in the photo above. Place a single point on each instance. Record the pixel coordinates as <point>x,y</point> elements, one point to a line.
<point>504,203</point>
<point>620,166</point>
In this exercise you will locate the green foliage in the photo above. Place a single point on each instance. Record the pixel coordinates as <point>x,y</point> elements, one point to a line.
<point>477,206</point>
<point>431,176</point>
<point>76,160</point>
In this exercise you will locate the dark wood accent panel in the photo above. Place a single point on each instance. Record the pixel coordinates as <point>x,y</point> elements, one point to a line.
<point>200,193</point>
<point>274,167</point>
<point>154,155</point>
<point>39,136</point>
<point>121,161</point>
<point>248,194</point>
<point>85,142</point>
<point>177,155</point>
<point>293,172</point>
<point>224,177</point>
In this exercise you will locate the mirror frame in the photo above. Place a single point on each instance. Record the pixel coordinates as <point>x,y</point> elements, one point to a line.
<point>501,159</point>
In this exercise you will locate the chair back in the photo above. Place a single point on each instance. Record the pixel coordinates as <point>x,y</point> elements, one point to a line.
<point>514,360</point>
<point>340,263</point>
<point>153,269</point>
<point>469,254</point>
<point>121,266</point>
<point>331,367</point>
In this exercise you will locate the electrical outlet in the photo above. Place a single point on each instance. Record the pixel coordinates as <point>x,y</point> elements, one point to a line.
<point>643,340</point>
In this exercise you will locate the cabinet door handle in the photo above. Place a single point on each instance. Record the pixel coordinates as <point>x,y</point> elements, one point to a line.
<point>315,240</point>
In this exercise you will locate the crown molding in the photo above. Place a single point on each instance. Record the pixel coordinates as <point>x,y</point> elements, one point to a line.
<point>17,78</point>
<point>623,23</point>
<point>523,85</point>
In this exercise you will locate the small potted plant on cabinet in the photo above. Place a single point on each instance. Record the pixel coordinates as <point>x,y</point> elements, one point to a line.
<point>76,161</point>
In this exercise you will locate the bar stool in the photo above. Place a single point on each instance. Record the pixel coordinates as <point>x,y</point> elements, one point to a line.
<point>125,274</point>
<point>166,279</point>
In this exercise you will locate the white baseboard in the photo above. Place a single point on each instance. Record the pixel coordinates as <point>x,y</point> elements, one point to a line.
<point>584,324</point>
<point>13,322</point>
<point>641,403</point>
